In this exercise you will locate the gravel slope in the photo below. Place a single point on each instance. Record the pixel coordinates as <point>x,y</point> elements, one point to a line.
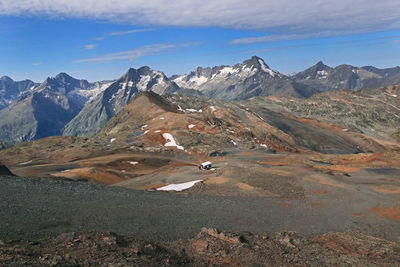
<point>31,208</point>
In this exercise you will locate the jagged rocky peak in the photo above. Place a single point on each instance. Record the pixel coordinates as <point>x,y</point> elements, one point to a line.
<point>260,65</point>
<point>318,71</point>
<point>256,62</point>
<point>62,76</point>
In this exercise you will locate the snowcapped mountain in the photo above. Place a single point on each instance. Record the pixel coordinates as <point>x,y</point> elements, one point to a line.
<point>115,97</point>
<point>321,78</point>
<point>44,109</point>
<point>251,78</point>
<point>11,90</point>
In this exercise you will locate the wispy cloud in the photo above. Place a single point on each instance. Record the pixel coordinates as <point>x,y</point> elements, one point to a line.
<point>36,63</point>
<point>269,38</point>
<point>99,38</point>
<point>130,31</point>
<point>90,46</point>
<point>284,17</point>
<point>148,50</point>
<point>268,49</point>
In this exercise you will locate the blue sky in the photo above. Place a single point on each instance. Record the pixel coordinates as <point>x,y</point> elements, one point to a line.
<point>96,41</point>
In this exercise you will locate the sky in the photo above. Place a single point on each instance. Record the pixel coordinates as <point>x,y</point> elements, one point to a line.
<point>101,39</point>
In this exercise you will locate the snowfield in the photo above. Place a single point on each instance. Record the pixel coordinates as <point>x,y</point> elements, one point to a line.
<point>171,141</point>
<point>178,187</point>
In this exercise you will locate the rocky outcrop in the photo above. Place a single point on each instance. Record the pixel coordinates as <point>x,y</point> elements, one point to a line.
<point>4,170</point>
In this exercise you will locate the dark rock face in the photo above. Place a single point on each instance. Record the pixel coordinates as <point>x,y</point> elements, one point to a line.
<point>4,170</point>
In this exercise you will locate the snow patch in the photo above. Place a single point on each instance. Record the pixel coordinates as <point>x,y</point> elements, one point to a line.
<point>178,187</point>
<point>157,131</point>
<point>144,126</point>
<point>112,140</point>
<point>394,95</point>
<point>171,141</point>
<point>266,69</point>
<point>234,143</point>
<point>213,108</point>
<point>133,162</point>
<point>25,163</point>
<point>143,82</point>
<point>190,126</point>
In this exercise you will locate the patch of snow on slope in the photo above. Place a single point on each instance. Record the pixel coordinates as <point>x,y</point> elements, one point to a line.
<point>193,82</point>
<point>25,163</point>
<point>224,72</point>
<point>322,74</point>
<point>171,141</point>
<point>247,72</point>
<point>190,126</point>
<point>143,82</point>
<point>112,140</point>
<point>90,93</point>
<point>133,162</point>
<point>234,143</point>
<point>178,187</point>
<point>266,69</point>
<point>213,108</point>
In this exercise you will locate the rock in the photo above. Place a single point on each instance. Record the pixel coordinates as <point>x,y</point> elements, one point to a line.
<point>4,170</point>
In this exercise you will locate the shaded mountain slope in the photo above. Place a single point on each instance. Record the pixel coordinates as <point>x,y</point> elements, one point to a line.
<point>106,105</point>
<point>46,109</point>
<point>10,90</point>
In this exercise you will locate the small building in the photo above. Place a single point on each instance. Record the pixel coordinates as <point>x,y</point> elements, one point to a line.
<point>205,165</point>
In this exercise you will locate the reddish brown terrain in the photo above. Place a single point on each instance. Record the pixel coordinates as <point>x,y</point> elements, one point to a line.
<point>306,162</point>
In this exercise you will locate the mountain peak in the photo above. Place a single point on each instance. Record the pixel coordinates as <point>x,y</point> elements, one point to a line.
<point>321,66</point>
<point>6,79</point>
<point>256,61</point>
<point>63,76</point>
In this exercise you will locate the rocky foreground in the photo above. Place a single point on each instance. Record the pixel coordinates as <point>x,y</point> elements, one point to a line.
<point>209,247</point>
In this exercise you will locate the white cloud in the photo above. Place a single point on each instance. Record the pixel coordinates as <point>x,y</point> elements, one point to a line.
<point>130,32</point>
<point>284,17</point>
<point>148,50</point>
<point>90,46</point>
<point>36,63</point>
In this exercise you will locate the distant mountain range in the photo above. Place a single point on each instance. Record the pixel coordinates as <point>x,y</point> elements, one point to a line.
<point>10,90</point>
<point>68,106</point>
<point>45,109</point>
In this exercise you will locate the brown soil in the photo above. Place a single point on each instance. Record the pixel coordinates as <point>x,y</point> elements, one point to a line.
<point>386,189</point>
<point>392,213</point>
